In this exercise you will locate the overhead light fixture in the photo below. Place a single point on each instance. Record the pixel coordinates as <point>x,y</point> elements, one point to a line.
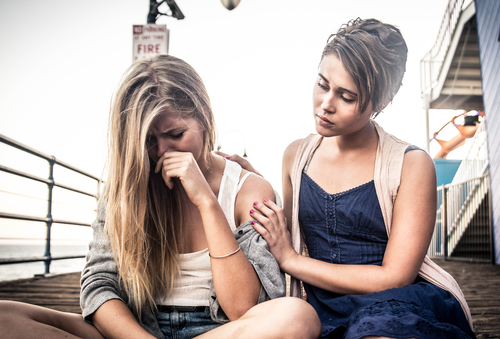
<point>154,13</point>
<point>230,4</point>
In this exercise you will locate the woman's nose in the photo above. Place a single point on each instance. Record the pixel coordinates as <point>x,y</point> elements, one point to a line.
<point>163,146</point>
<point>328,104</point>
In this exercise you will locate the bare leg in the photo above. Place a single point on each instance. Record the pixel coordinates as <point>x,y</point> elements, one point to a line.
<point>278,318</point>
<point>20,320</point>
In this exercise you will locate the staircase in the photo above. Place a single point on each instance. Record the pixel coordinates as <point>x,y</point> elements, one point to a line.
<point>475,241</point>
<point>464,214</point>
<point>469,232</point>
<point>461,87</point>
<point>451,79</point>
<point>450,71</point>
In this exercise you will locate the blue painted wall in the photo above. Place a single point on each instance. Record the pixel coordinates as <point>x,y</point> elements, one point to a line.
<point>445,170</point>
<point>488,30</point>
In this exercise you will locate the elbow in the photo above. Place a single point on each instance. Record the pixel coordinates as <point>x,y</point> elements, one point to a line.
<point>400,281</point>
<point>237,311</point>
<point>391,281</point>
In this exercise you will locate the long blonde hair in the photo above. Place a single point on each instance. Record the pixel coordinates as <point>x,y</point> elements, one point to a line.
<point>143,216</point>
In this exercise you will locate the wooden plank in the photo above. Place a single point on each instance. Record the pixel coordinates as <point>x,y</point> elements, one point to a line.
<point>479,282</point>
<point>60,292</point>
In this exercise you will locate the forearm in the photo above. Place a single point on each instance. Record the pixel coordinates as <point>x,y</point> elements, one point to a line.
<point>236,284</point>
<point>114,320</point>
<point>345,279</point>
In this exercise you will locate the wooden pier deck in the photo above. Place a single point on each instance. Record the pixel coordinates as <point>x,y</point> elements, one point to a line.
<point>479,282</point>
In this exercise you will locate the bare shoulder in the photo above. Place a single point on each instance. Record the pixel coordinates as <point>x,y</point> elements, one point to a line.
<point>289,154</point>
<point>418,165</point>
<point>418,158</point>
<point>255,188</point>
<point>292,148</point>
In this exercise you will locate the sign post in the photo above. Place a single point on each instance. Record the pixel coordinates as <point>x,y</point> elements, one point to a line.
<point>149,40</point>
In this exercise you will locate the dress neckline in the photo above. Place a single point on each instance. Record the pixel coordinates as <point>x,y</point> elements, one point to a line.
<point>322,191</point>
<point>325,193</point>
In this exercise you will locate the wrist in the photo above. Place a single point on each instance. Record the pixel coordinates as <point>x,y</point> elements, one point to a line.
<point>289,262</point>
<point>208,203</point>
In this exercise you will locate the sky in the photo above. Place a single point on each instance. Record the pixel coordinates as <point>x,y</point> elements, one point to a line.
<point>62,60</point>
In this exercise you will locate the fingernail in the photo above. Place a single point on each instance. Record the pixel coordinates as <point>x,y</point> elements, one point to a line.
<point>255,203</point>
<point>228,157</point>
<point>266,200</point>
<point>251,211</point>
<point>253,222</point>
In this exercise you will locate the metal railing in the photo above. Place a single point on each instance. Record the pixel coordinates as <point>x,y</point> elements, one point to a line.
<point>463,222</point>
<point>47,258</point>
<point>432,62</point>
<point>476,161</point>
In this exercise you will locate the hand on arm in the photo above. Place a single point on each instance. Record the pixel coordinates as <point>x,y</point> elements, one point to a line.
<point>277,222</point>
<point>412,227</point>
<point>236,282</point>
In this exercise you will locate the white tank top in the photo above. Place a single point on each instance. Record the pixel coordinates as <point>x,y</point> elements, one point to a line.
<point>192,287</point>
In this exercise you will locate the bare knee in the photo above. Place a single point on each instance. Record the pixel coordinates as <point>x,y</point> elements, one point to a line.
<point>19,314</point>
<point>294,318</point>
<point>304,321</point>
<point>14,316</point>
<point>13,309</point>
<point>26,312</point>
<point>20,320</point>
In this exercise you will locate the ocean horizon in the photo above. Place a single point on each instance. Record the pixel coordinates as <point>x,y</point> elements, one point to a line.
<point>18,249</point>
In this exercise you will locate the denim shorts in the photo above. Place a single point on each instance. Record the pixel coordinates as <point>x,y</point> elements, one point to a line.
<point>185,325</point>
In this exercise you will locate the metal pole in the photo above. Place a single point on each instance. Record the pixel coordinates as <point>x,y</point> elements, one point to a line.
<point>444,221</point>
<point>49,215</point>
<point>427,100</point>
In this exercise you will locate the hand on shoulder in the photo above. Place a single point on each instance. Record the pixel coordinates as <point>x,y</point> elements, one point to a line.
<point>244,163</point>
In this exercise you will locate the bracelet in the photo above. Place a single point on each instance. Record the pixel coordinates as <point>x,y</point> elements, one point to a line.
<point>224,256</point>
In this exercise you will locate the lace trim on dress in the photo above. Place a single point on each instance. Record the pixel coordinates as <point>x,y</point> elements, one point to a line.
<point>400,320</point>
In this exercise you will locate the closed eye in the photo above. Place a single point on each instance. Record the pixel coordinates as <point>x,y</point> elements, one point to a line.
<point>347,100</point>
<point>322,83</point>
<point>178,135</point>
<point>322,86</point>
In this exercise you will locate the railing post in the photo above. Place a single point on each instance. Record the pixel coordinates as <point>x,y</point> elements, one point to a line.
<point>444,221</point>
<point>49,215</point>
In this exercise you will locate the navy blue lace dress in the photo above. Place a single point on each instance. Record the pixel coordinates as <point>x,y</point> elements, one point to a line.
<point>348,228</point>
